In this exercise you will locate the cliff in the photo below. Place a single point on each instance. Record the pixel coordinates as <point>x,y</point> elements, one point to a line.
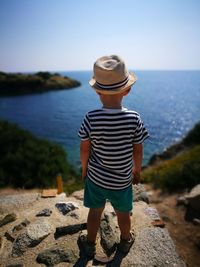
<point>38,231</point>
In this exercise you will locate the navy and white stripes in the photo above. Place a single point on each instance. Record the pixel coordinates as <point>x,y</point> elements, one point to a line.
<point>112,134</point>
<point>114,85</point>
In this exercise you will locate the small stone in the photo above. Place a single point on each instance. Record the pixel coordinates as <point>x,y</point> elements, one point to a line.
<point>15,265</point>
<point>193,207</point>
<point>181,201</point>
<point>21,226</point>
<point>53,256</point>
<point>11,235</point>
<point>69,230</point>
<point>33,235</point>
<point>65,207</point>
<point>144,197</point>
<point>20,245</point>
<point>196,221</point>
<point>44,212</point>
<point>8,218</point>
<point>74,215</point>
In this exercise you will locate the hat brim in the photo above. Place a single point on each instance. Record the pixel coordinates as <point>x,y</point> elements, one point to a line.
<point>132,79</point>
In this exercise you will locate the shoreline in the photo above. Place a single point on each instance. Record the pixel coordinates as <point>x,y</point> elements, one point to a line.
<point>19,84</point>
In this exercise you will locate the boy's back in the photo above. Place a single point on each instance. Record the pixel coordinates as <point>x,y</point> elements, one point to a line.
<point>112,133</point>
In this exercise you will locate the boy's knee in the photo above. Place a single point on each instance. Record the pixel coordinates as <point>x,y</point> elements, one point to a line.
<point>122,215</point>
<point>96,211</point>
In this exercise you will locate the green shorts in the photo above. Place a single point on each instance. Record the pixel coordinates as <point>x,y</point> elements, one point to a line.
<point>96,197</point>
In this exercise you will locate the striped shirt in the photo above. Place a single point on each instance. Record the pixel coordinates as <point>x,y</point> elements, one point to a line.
<point>112,133</point>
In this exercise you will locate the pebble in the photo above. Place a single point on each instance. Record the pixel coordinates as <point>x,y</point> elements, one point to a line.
<point>65,207</point>
<point>8,218</point>
<point>44,212</point>
<point>53,256</point>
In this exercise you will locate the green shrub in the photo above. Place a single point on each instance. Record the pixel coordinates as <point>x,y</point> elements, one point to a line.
<point>181,172</point>
<point>26,161</point>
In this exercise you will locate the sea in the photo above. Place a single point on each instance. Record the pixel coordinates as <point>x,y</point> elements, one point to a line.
<point>168,102</point>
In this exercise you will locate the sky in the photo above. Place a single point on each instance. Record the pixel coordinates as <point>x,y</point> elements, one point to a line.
<point>64,35</point>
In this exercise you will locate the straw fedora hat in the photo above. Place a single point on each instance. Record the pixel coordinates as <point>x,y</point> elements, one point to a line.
<point>111,75</point>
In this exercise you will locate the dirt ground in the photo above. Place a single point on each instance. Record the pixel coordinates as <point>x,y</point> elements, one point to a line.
<point>185,234</point>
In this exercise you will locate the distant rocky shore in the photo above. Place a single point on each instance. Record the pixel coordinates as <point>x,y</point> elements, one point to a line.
<point>20,84</point>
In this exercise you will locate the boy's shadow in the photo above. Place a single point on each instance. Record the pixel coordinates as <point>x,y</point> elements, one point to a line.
<point>115,262</point>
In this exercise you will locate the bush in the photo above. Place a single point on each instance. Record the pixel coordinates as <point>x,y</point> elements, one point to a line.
<point>181,172</point>
<point>26,161</point>
<point>44,75</point>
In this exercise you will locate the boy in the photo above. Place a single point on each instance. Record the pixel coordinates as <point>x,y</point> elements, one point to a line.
<point>111,152</point>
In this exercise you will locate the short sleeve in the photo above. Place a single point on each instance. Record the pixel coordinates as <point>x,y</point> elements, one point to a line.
<point>84,131</point>
<point>140,133</point>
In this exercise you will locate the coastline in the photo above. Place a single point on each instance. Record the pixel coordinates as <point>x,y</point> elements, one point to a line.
<point>40,82</point>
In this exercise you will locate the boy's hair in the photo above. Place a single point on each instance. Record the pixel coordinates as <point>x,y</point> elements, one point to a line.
<point>111,75</point>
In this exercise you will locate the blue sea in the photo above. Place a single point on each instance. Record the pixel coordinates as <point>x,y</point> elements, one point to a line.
<point>168,102</point>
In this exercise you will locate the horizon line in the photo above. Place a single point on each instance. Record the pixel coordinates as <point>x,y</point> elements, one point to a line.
<point>87,70</point>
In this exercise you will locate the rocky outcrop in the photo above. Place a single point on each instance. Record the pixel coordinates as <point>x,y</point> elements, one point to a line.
<point>192,204</point>
<point>109,232</point>
<point>32,240</point>
<point>153,247</point>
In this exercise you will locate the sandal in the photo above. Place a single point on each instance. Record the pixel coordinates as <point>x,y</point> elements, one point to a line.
<point>86,247</point>
<point>125,245</point>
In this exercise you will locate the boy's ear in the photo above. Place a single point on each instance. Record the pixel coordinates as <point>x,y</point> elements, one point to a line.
<point>126,92</point>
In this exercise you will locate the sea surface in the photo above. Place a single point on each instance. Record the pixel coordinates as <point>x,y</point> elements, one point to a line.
<point>168,102</point>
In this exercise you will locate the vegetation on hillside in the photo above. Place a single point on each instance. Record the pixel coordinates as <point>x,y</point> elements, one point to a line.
<point>179,173</point>
<point>182,170</point>
<point>28,162</point>
<point>19,84</point>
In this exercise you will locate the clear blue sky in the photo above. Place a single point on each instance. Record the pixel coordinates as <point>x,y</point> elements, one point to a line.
<point>70,34</point>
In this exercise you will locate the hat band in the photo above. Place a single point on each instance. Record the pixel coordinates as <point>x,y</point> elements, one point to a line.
<point>114,85</point>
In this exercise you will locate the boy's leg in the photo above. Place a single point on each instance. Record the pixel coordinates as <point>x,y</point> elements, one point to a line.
<point>93,223</point>
<point>127,236</point>
<point>86,243</point>
<point>124,222</point>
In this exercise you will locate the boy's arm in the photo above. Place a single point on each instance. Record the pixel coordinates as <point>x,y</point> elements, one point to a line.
<point>137,162</point>
<point>85,154</point>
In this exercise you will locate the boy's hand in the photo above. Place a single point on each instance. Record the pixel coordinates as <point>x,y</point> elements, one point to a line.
<point>85,154</point>
<point>83,174</point>
<point>137,162</point>
<point>136,176</point>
